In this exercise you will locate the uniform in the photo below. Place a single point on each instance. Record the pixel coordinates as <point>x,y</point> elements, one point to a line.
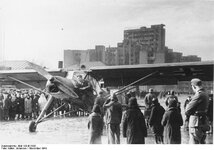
<point>196,109</point>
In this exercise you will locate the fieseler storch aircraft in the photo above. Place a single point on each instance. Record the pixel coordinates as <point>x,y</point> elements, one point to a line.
<point>68,86</point>
<point>63,85</point>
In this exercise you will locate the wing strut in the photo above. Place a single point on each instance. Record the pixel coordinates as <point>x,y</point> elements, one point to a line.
<point>27,84</point>
<point>136,81</point>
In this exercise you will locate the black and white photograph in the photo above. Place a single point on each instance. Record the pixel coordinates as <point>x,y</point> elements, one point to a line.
<point>103,72</point>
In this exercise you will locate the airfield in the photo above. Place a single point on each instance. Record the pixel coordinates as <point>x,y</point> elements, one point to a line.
<point>67,131</point>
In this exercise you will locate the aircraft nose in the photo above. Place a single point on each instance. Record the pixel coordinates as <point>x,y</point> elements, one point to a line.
<point>52,79</point>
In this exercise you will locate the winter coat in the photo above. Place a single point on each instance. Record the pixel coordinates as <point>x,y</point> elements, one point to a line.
<point>28,105</point>
<point>114,113</point>
<point>134,126</point>
<point>95,126</point>
<point>172,120</point>
<point>42,102</point>
<point>148,104</point>
<point>155,119</point>
<point>6,102</point>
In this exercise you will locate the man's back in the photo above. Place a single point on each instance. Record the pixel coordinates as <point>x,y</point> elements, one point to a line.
<point>148,99</point>
<point>114,113</point>
<point>198,103</point>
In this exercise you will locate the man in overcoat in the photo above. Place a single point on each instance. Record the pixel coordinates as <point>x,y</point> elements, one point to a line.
<point>133,124</point>
<point>197,110</point>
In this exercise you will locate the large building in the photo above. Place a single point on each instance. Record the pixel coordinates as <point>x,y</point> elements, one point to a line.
<point>171,57</point>
<point>190,58</point>
<point>152,38</point>
<point>97,54</point>
<point>143,45</point>
<point>73,57</point>
<point>139,46</point>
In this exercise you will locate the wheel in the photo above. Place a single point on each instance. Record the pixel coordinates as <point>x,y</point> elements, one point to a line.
<point>32,126</point>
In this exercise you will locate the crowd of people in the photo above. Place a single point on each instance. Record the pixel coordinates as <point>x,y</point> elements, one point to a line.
<point>26,104</point>
<point>165,123</point>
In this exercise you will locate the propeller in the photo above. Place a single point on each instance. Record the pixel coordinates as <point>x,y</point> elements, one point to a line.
<point>40,70</point>
<point>54,80</point>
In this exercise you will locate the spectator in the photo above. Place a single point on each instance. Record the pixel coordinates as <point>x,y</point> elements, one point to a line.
<point>1,107</point>
<point>210,113</point>
<point>13,106</point>
<point>22,105</point>
<point>6,106</point>
<point>171,97</point>
<point>155,120</point>
<point>172,120</point>
<point>186,124</point>
<point>95,125</point>
<point>100,101</point>
<point>113,119</point>
<point>148,104</point>
<point>28,106</point>
<point>134,126</point>
<point>35,105</point>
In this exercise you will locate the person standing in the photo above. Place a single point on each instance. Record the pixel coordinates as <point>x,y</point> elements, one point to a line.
<point>197,110</point>
<point>186,124</point>
<point>28,106</point>
<point>13,106</point>
<point>113,119</point>
<point>22,105</point>
<point>171,97</point>
<point>100,100</point>
<point>95,125</point>
<point>155,120</point>
<point>6,105</point>
<point>172,121</point>
<point>133,124</point>
<point>1,106</point>
<point>35,105</point>
<point>210,113</point>
<point>148,104</point>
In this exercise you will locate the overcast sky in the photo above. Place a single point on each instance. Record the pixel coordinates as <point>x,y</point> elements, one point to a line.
<point>39,30</point>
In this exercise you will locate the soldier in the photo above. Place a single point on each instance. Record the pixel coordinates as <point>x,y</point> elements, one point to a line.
<point>148,104</point>
<point>197,110</point>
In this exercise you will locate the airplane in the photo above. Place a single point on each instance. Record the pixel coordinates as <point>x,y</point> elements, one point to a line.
<point>63,85</point>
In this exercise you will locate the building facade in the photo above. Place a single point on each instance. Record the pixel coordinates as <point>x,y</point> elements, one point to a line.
<point>139,46</point>
<point>144,43</point>
<point>73,57</point>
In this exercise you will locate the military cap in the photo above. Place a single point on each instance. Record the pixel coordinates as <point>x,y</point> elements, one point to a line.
<point>196,82</point>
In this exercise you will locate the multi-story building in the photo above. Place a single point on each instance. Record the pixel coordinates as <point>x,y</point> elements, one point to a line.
<point>73,57</point>
<point>190,58</point>
<point>111,56</point>
<point>139,46</point>
<point>144,43</point>
<point>97,54</point>
<point>153,37</point>
<point>171,56</point>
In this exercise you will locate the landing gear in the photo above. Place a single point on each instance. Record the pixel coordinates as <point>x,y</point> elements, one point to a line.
<point>32,126</point>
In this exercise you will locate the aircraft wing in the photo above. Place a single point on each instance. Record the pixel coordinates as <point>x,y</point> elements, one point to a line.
<point>29,76</point>
<point>156,74</point>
